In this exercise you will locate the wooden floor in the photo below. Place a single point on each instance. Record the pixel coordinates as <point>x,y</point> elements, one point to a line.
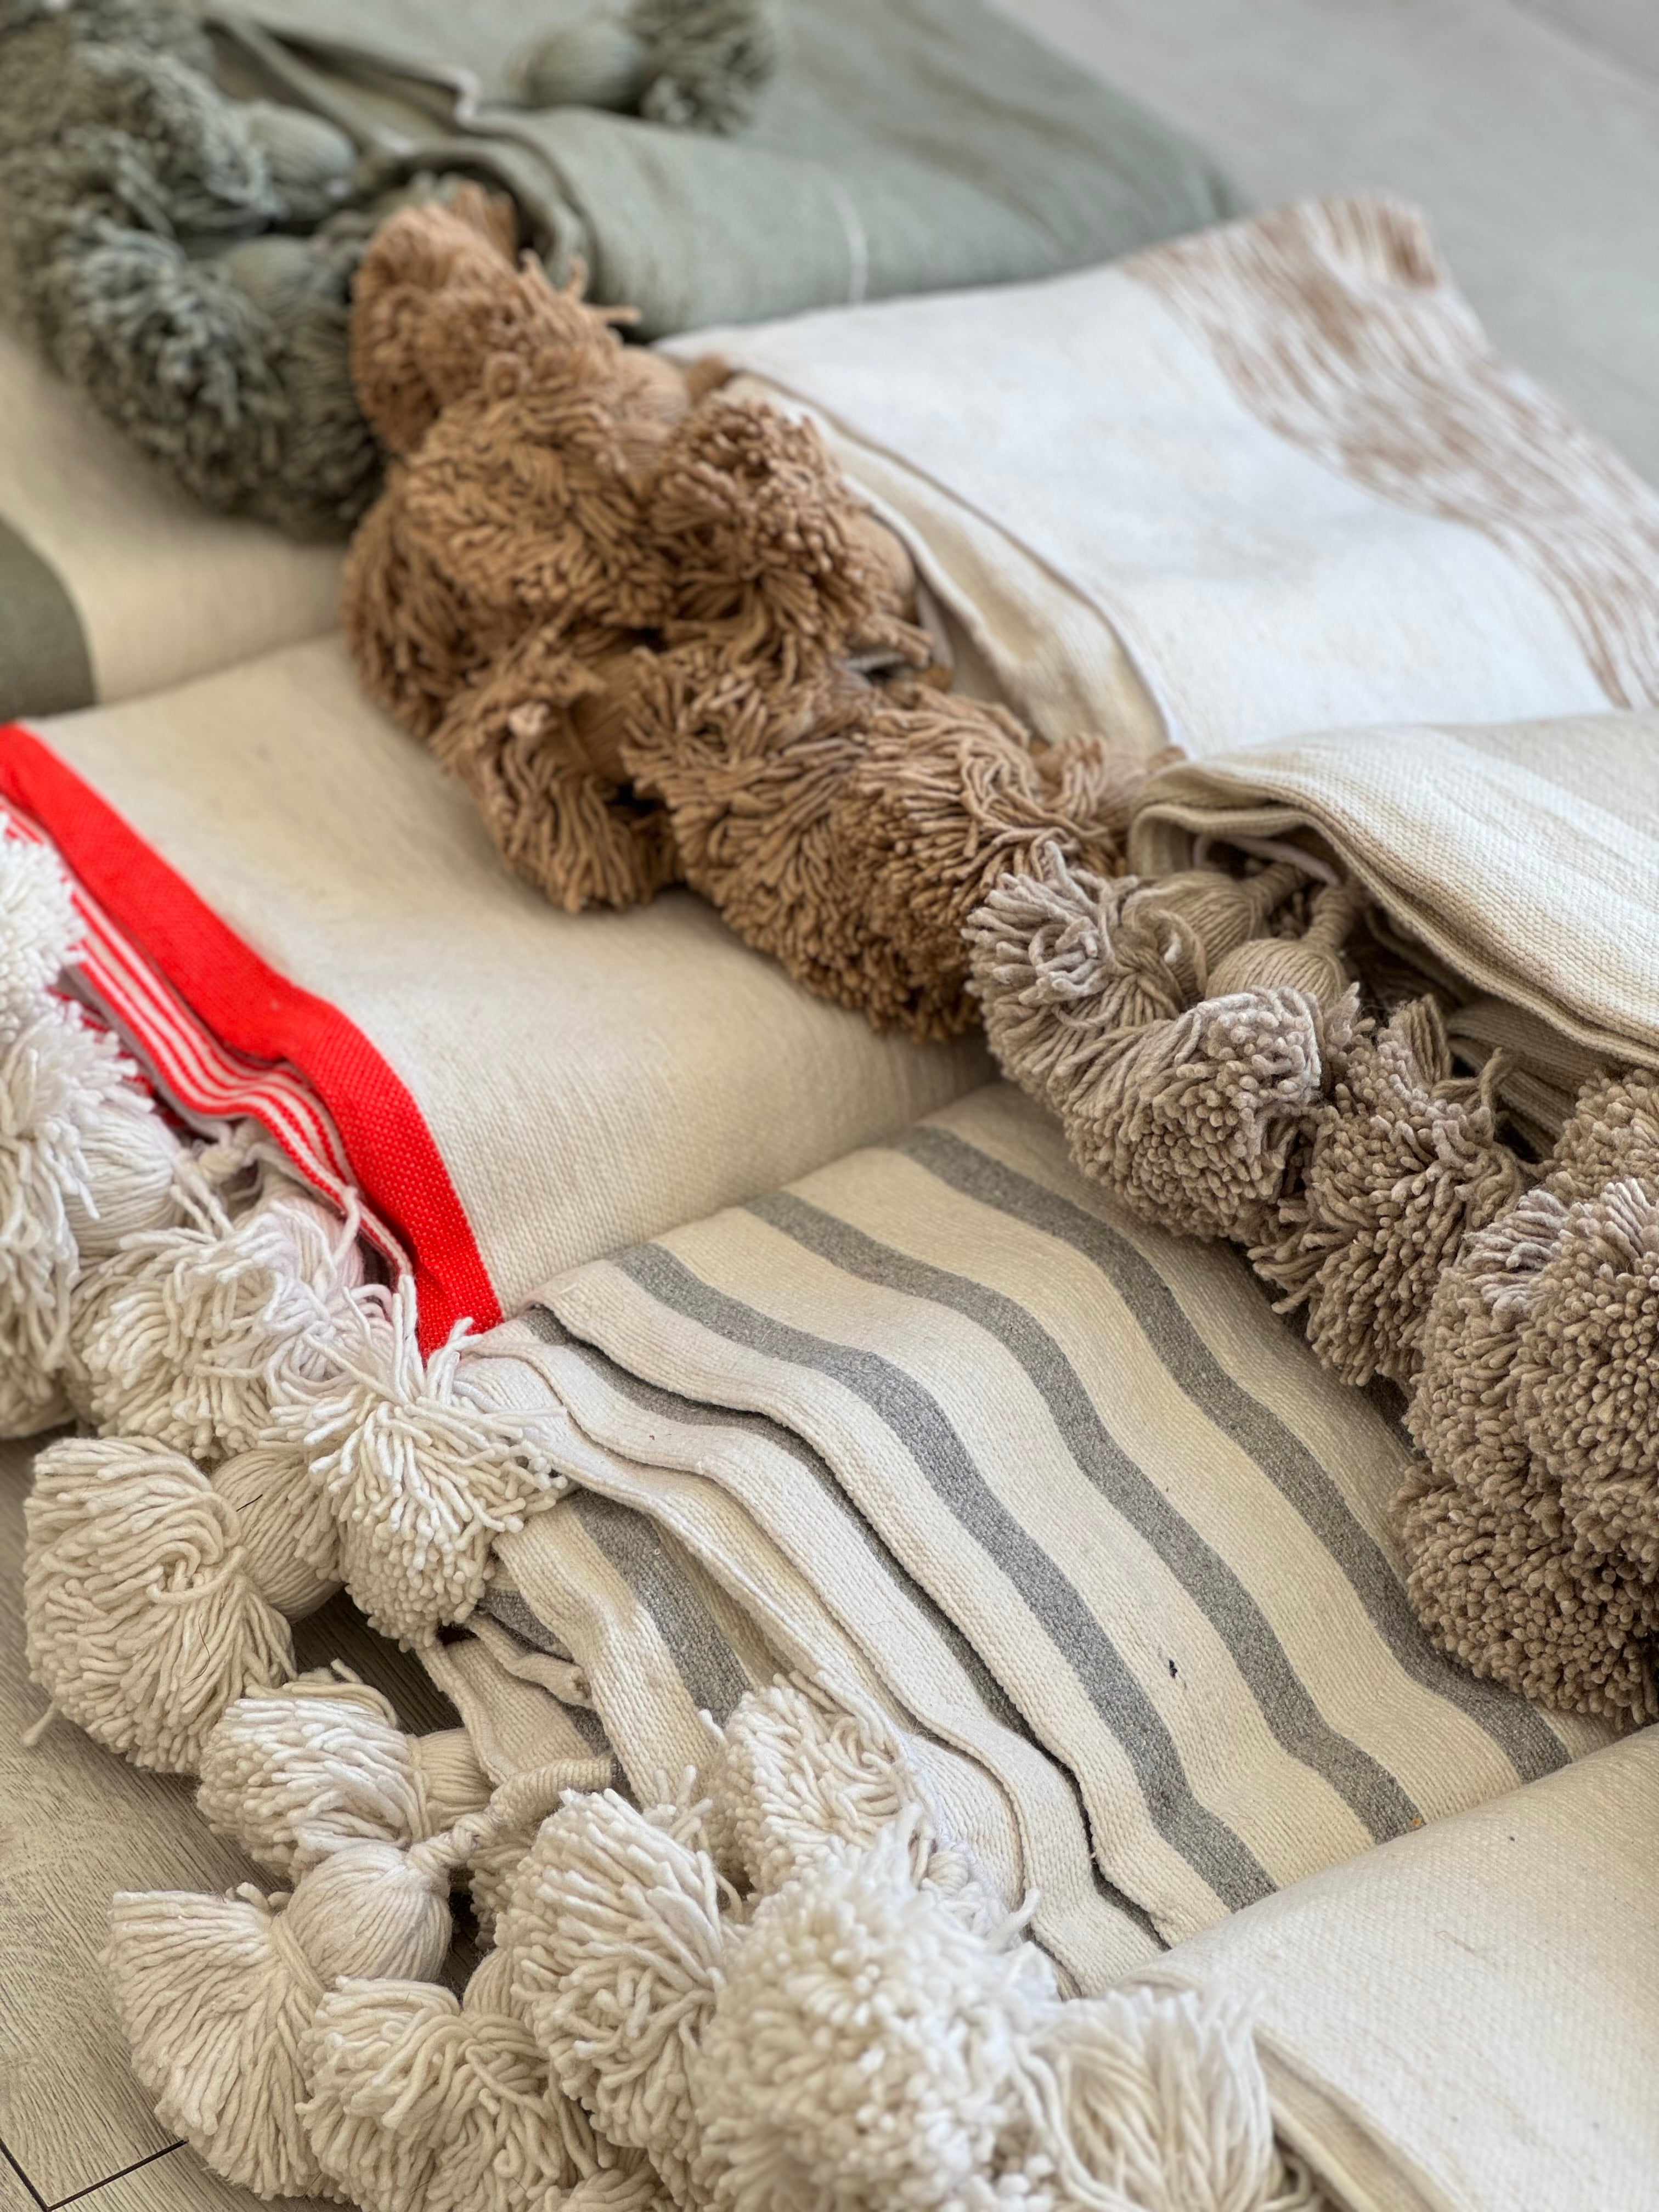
<point>77,1823</point>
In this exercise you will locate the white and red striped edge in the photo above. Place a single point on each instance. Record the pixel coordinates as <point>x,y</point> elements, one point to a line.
<point>202,1079</point>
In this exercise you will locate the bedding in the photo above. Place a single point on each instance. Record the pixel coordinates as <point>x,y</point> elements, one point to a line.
<point>111,583</point>
<point>187,192</point>
<point>1277,462</point>
<point>320,894</point>
<point>1179,1582</point>
<point>1453,1177</point>
<point>1251,477</point>
<point>903,145</point>
<point>1131,1707</point>
<point>1464,2019</point>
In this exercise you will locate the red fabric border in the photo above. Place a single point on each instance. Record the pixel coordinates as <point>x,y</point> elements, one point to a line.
<point>253,1009</point>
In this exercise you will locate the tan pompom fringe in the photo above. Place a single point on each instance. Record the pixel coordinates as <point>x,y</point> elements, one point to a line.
<point>1374,1189</point>
<point>293,1773</point>
<point>1533,1533</point>
<point>1405,1162</point>
<point>1065,959</point>
<point>673,643</point>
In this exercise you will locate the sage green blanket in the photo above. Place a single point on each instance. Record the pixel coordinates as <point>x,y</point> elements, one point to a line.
<point>904,146</point>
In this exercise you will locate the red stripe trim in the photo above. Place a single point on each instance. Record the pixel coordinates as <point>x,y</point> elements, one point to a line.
<point>253,1009</point>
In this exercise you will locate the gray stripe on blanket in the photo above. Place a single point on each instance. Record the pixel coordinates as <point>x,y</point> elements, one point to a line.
<point>511,1610</point>
<point>1522,1734</point>
<point>665,1407</point>
<point>1363,1784</point>
<point>704,1661</point>
<point>920,1426</point>
<point>45,668</point>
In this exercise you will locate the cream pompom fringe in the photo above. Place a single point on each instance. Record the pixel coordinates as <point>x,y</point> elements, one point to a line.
<point>854,2022</point>
<point>260,1426</point>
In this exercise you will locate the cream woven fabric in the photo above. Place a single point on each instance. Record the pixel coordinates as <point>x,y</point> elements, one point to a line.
<point>942,1425</point>
<point>1464,2021</point>
<point>1277,462</point>
<point>1523,856</point>
<point>588,1080</point>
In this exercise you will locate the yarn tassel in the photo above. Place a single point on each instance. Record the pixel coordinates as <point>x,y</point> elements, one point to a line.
<point>187,1335</point>
<point>420,2100</point>
<point>154,1596</point>
<point>421,1473</point>
<point>84,1160</point>
<point>867,2024</point>
<point>618,1941</point>
<point>694,64</point>
<point>215,1995</point>
<point>1406,1162</point>
<point>1533,1533</point>
<point>1063,959</point>
<point>293,1773</point>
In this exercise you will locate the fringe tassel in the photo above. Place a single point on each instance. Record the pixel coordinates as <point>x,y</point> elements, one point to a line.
<point>293,1773</point>
<point>859,2023</point>
<point>421,1473</point>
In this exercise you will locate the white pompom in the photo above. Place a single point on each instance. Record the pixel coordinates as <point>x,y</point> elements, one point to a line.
<point>213,2005</point>
<point>418,2099</point>
<point>215,1995</point>
<point>134,1162</point>
<point>867,2044</point>
<point>186,1335</point>
<point>424,1473</point>
<point>287,1532</point>
<point>293,1773</point>
<point>799,1774</point>
<point>144,1621</point>
<point>1159,2098</point>
<point>619,1947</point>
<point>40,928</point>
<point>59,1082</point>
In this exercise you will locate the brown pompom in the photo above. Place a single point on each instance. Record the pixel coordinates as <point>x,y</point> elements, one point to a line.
<point>1405,1162</point>
<point>1533,1533</point>
<point>536,744</point>
<point>429,306</point>
<point>638,617</point>
<point>850,836</point>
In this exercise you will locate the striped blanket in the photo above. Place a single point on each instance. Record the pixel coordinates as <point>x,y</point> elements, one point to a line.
<point>941,1424</point>
<point>113,583</point>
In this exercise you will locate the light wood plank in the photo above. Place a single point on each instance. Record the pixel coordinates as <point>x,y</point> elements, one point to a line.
<point>15,2197</point>
<point>75,1825</point>
<point>179,2183</point>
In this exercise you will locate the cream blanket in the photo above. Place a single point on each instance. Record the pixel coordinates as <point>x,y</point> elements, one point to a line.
<point>942,1426</point>
<point>1266,479</point>
<point>111,583</point>
<point>1464,2021</point>
<point>1521,857</point>
<point>577,1082</point>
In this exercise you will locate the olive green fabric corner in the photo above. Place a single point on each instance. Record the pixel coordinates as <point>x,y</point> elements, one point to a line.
<point>904,146</point>
<point>44,666</point>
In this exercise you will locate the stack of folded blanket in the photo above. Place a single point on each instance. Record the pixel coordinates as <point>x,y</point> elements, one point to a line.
<point>186,191</point>
<point>975,1690</point>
